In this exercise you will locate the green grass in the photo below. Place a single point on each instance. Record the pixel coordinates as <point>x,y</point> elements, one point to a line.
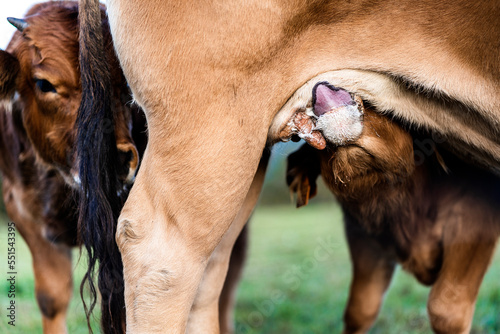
<point>298,272</point>
<point>295,281</point>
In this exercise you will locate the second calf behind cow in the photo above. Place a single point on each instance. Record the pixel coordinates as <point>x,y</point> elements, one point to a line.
<point>433,213</point>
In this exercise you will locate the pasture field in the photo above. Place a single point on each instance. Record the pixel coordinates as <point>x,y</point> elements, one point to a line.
<point>295,281</point>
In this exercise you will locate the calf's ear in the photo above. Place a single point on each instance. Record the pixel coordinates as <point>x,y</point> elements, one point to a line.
<point>9,69</point>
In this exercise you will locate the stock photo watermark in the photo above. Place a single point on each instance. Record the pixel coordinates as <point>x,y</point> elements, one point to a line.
<point>11,273</point>
<point>423,148</point>
<point>292,278</point>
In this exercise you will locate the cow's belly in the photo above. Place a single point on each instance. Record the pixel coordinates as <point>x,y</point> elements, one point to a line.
<point>184,69</point>
<point>475,140</point>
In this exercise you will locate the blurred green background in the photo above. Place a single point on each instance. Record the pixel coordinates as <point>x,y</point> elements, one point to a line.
<point>285,288</point>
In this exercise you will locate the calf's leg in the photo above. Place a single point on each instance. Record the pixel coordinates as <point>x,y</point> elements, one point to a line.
<point>469,241</point>
<point>53,284</point>
<point>373,267</point>
<point>53,276</point>
<point>51,263</point>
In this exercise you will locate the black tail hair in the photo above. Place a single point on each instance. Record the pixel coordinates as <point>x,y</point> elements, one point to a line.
<point>100,203</point>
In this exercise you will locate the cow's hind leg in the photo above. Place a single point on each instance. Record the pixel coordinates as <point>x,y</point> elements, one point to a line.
<point>175,261</point>
<point>161,271</point>
<point>217,275</point>
<point>469,242</point>
<point>373,267</point>
<point>228,294</point>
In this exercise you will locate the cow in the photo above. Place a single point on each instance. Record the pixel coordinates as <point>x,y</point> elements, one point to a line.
<point>432,212</point>
<point>220,80</point>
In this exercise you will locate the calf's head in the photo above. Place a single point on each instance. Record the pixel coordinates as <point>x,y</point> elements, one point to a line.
<point>365,150</point>
<point>40,78</point>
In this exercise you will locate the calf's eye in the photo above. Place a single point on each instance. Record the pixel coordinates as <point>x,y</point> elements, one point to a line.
<point>44,86</point>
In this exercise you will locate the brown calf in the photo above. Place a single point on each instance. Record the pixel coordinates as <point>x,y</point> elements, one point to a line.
<point>49,86</point>
<point>40,90</point>
<point>43,208</point>
<point>431,212</point>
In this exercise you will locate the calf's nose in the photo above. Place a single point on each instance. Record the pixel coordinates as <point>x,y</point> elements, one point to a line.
<point>128,161</point>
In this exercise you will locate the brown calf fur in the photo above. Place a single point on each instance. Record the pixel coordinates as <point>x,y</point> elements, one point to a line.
<point>406,202</point>
<point>44,210</point>
<point>36,150</point>
<point>40,94</point>
<point>49,87</point>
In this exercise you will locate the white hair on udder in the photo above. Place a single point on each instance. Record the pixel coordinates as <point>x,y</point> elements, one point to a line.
<point>341,125</point>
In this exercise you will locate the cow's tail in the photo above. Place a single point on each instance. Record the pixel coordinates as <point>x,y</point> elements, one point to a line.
<point>100,203</point>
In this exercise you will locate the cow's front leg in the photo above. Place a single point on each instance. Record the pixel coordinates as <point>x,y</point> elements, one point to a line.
<point>373,267</point>
<point>206,304</point>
